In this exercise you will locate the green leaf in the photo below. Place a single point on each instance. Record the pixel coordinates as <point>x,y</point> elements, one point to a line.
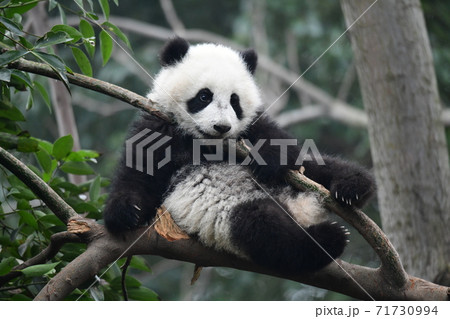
<point>27,145</point>
<point>88,36</point>
<point>51,5</point>
<point>27,218</point>
<point>139,263</point>
<point>47,146</point>
<point>11,25</point>
<point>10,56</point>
<point>94,189</point>
<point>5,75</point>
<point>111,27</point>
<point>62,147</point>
<point>130,282</point>
<point>51,219</point>
<point>84,154</point>
<point>105,8</point>
<point>44,160</point>
<point>10,112</point>
<point>142,293</point>
<point>80,4</point>
<point>62,14</point>
<point>82,61</point>
<point>77,168</point>
<point>22,77</point>
<point>44,94</point>
<point>85,208</point>
<point>91,4</point>
<point>106,46</point>
<point>56,64</point>
<point>52,38</point>
<point>30,102</point>
<point>71,31</point>
<point>39,270</point>
<point>19,9</point>
<point>4,3</point>
<point>6,264</point>
<point>26,43</point>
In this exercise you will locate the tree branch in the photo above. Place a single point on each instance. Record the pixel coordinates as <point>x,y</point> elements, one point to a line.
<point>41,189</point>
<point>172,17</point>
<point>91,84</point>
<point>105,249</point>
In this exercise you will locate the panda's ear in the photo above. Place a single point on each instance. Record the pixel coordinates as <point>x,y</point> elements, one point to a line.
<point>251,59</point>
<point>173,51</point>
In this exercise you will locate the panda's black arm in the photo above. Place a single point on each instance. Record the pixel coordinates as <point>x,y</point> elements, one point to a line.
<point>348,182</point>
<point>136,194</point>
<point>276,163</point>
<point>131,202</point>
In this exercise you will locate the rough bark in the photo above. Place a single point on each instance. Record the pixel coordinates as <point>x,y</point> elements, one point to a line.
<point>409,151</point>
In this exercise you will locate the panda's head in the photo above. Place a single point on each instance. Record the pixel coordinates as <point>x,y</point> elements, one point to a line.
<point>208,88</point>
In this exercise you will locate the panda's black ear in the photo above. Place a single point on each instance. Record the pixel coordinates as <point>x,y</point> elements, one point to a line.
<point>173,51</point>
<point>251,59</point>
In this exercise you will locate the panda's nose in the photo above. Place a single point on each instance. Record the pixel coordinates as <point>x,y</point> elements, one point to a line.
<point>222,128</point>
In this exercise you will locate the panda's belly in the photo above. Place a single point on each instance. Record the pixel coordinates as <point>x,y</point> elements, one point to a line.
<point>202,199</point>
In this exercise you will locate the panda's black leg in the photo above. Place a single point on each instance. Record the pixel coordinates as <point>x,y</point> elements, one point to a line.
<point>271,238</point>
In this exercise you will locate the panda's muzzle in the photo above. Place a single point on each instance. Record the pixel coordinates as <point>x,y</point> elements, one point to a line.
<point>222,129</point>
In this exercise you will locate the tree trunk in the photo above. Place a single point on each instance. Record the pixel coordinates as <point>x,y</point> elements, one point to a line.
<point>61,98</point>
<point>398,83</point>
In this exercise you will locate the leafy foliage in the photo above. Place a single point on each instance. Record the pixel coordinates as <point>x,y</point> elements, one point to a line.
<point>27,224</point>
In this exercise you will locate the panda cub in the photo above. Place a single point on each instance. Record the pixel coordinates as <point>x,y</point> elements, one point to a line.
<point>247,210</point>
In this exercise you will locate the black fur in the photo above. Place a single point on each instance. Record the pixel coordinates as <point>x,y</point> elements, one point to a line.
<point>251,59</point>
<point>236,105</point>
<point>271,238</point>
<point>174,51</point>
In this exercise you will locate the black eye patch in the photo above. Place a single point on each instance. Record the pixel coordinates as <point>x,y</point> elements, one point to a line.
<point>236,105</point>
<point>200,100</point>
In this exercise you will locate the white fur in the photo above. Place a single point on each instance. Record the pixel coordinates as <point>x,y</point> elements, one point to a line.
<point>218,68</point>
<point>305,208</point>
<point>203,201</point>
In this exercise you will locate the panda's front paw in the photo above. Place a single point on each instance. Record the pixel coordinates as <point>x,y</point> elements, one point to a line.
<point>354,189</point>
<point>123,214</point>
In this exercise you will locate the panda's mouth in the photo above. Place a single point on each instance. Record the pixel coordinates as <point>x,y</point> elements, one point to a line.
<point>207,135</point>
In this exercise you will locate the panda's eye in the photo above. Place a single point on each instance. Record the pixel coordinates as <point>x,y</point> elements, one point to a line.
<point>205,96</point>
<point>201,100</point>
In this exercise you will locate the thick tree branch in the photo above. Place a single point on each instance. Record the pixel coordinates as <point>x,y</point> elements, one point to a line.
<point>41,189</point>
<point>105,249</point>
